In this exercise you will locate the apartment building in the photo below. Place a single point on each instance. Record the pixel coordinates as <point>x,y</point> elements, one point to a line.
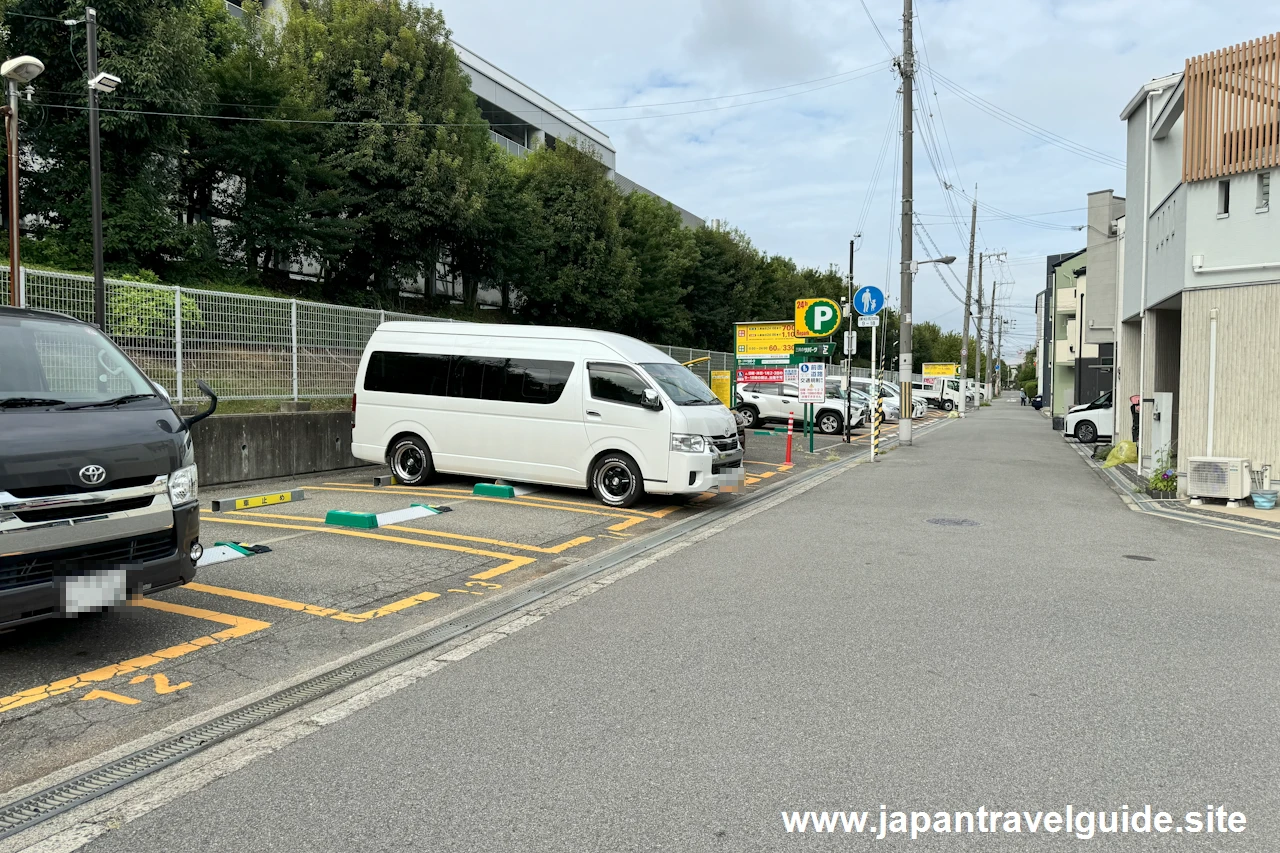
<point>1199,294</point>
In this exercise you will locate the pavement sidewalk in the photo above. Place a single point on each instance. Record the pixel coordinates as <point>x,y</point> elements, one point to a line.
<point>967,623</point>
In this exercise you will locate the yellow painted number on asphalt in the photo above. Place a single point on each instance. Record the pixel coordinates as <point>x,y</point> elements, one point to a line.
<point>107,694</point>
<point>162,683</point>
<point>483,584</point>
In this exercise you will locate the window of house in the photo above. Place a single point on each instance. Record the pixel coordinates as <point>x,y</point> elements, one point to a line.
<point>1224,198</point>
<point>1264,191</point>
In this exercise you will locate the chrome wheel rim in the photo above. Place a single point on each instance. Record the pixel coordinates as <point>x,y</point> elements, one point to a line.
<point>615,481</point>
<point>408,462</point>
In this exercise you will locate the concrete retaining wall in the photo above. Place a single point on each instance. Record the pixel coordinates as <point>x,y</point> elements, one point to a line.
<point>230,448</point>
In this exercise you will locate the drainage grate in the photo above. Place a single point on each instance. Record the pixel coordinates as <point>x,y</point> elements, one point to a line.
<point>953,522</point>
<point>1140,558</point>
<point>23,814</point>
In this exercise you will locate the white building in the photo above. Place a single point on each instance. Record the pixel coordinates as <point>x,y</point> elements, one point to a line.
<point>1199,300</point>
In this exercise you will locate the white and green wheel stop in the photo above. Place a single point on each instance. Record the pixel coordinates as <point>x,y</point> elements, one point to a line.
<point>374,520</point>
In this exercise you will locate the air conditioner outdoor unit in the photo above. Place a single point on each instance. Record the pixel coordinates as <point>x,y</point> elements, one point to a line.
<point>1218,477</point>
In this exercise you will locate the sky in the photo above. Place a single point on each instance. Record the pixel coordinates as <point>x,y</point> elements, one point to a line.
<point>772,116</point>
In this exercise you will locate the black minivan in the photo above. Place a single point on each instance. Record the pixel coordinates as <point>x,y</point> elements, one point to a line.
<point>98,485</point>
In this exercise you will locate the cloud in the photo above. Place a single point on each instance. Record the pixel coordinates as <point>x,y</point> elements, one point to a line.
<point>792,167</point>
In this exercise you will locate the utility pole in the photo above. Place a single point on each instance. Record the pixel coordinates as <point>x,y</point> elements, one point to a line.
<point>968,295</point>
<point>906,68</point>
<point>977,334</point>
<point>848,352</point>
<point>95,173</point>
<point>1000,352</point>
<point>991,335</point>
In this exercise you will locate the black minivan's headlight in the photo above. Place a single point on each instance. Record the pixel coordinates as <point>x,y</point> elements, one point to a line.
<point>184,485</point>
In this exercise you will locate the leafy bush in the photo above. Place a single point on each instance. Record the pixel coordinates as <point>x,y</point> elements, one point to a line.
<point>144,312</point>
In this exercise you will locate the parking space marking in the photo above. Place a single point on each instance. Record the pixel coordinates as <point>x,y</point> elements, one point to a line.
<point>537,549</point>
<point>511,561</point>
<point>286,604</point>
<point>661,513</point>
<point>630,516</point>
<point>240,626</point>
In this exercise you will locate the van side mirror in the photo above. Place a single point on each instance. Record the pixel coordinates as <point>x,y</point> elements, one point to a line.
<point>213,405</point>
<point>650,400</point>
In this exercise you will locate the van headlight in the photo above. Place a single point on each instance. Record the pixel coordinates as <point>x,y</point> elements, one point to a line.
<point>183,485</point>
<point>688,443</point>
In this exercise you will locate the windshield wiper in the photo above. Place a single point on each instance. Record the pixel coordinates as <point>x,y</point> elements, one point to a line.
<point>115,402</point>
<point>697,403</point>
<point>19,402</point>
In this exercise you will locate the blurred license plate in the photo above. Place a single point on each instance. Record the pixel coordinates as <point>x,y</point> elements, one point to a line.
<point>93,590</point>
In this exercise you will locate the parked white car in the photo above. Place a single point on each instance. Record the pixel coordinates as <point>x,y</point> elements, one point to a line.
<point>567,407</point>
<point>1088,421</point>
<point>765,402</point>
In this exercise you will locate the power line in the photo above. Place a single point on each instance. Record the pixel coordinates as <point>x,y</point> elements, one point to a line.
<point>865,211</point>
<point>876,27</point>
<point>163,113</point>
<point>1025,126</point>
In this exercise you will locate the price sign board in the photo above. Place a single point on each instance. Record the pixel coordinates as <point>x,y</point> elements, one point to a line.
<point>939,371</point>
<point>773,338</point>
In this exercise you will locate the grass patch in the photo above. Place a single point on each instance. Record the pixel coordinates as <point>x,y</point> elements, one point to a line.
<point>260,407</point>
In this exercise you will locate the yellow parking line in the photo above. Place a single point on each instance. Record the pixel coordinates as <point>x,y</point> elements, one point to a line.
<point>751,481</point>
<point>767,474</point>
<point>239,627</point>
<point>539,499</point>
<point>623,525</point>
<point>555,549</point>
<point>506,501</point>
<point>286,604</point>
<point>511,561</point>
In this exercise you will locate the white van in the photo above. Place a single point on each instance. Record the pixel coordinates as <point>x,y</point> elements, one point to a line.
<point>538,404</point>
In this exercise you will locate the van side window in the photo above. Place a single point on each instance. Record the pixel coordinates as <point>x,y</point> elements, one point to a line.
<point>514,380</point>
<point>408,373</point>
<point>616,384</point>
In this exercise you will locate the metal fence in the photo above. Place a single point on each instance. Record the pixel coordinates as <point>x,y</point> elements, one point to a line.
<point>245,347</point>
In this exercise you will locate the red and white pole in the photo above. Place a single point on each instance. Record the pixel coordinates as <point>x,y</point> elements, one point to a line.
<point>791,420</point>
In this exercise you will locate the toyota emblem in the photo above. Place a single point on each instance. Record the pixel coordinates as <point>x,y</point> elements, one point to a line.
<point>93,474</point>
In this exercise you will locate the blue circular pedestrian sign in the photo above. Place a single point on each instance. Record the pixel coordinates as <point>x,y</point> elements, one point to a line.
<point>868,300</point>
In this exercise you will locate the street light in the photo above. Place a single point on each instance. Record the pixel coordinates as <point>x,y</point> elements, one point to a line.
<point>97,83</point>
<point>18,72</point>
<point>904,376</point>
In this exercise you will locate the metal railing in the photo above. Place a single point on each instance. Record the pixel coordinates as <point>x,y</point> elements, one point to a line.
<point>246,347</point>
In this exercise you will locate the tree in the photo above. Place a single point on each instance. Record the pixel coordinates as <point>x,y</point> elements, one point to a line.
<point>724,288</point>
<point>162,50</point>
<point>407,140</point>
<point>582,273</point>
<point>665,253</point>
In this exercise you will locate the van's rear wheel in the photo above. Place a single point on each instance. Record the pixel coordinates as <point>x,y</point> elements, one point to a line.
<point>949,405</point>
<point>616,480</point>
<point>410,460</point>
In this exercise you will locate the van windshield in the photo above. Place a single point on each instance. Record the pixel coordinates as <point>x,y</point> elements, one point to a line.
<point>53,363</point>
<point>681,385</point>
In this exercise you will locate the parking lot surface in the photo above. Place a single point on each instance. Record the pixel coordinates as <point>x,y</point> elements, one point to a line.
<point>72,688</point>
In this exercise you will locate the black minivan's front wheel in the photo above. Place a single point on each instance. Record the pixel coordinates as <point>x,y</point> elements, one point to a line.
<point>616,480</point>
<point>410,460</point>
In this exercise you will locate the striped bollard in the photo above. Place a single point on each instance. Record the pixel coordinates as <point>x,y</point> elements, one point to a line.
<point>791,420</point>
<point>876,420</point>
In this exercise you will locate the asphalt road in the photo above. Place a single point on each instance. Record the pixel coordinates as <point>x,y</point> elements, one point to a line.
<point>72,688</point>
<point>835,652</point>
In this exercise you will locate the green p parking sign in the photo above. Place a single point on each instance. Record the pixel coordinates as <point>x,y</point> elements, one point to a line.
<point>816,318</point>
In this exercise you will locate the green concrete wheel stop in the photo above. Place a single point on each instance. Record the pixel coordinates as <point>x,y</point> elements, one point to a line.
<point>342,518</point>
<point>492,490</point>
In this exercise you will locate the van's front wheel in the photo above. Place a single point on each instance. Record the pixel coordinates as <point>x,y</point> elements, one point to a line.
<point>616,480</point>
<point>410,460</point>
